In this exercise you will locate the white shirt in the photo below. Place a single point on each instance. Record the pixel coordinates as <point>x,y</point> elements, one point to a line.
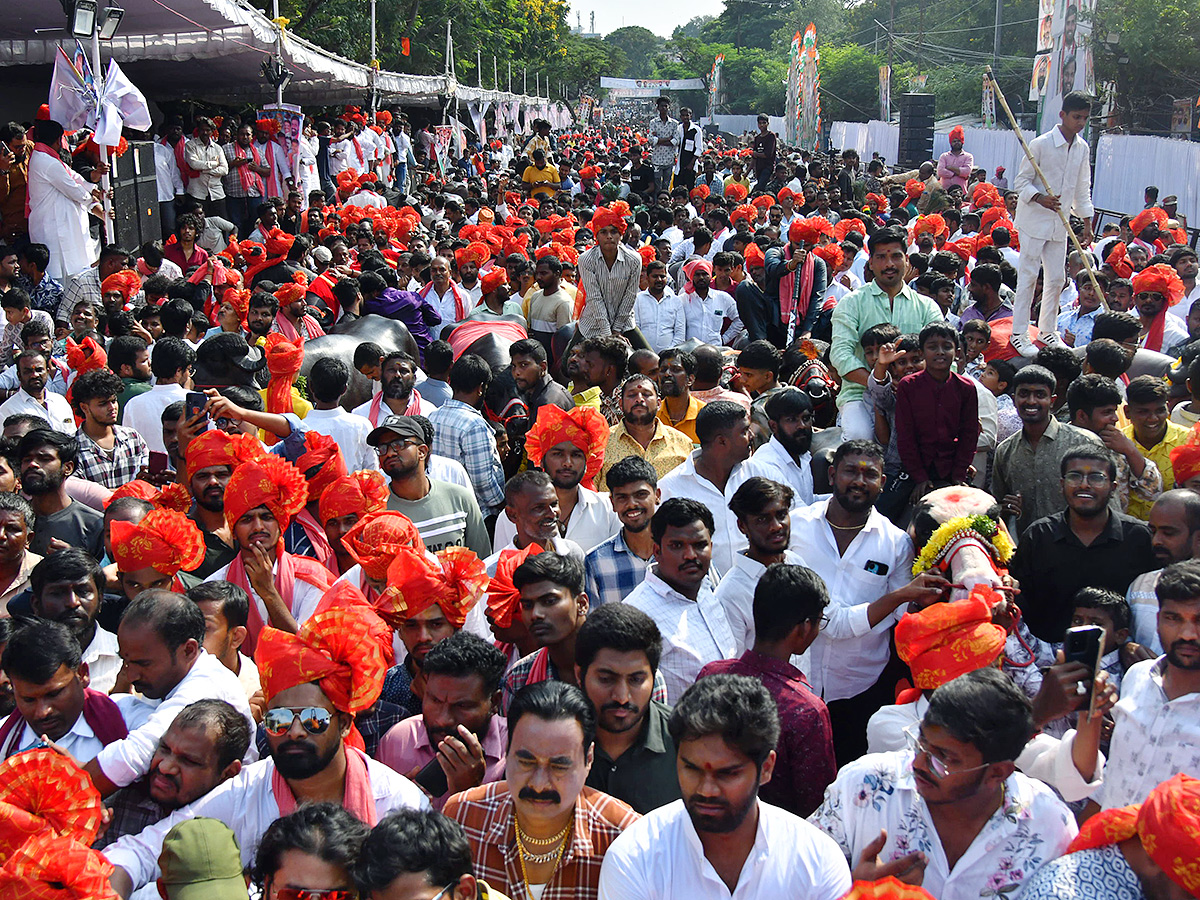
<point>211,164</point>
<point>706,318</point>
<point>1068,169</point>
<point>443,468</point>
<point>877,792</point>
<point>143,413</point>
<point>694,632</point>
<point>1143,601</point>
<point>103,659</point>
<point>674,235</point>
<point>772,461</point>
<point>350,431</point>
<point>685,481</point>
<point>125,761</point>
<point>561,546</point>
<point>735,593</point>
<point>662,322</point>
<point>1174,331</point>
<point>848,655</point>
<point>660,857</point>
<point>1010,255</point>
<point>81,742</point>
<point>56,412</point>
<point>592,522</point>
<point>302,604</point>
<point>367,198</point>
<point>166,173</point>
<point>247,805</point>
<point>1153,737</point>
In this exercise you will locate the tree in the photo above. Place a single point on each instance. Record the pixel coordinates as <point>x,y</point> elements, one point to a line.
<point>691,28</point>
<point>640,46</point>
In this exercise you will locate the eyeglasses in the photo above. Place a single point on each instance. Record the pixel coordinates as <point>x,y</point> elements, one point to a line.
<point>1147,295</point>
<point>280,720</point>
<point>438,895</point>
<point>396,446</point>
<point>1093,479</point>
<point>939,768</point>
<point>306,894</point>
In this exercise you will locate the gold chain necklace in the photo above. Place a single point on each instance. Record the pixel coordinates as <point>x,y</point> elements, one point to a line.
<point>845,527</point>
<point>538,858</point>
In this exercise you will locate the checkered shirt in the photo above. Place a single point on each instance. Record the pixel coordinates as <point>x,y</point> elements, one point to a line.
<point>612,570</point>
<point>486,815</point>
<point>129,455</point>
<point>45,295</point>
<point>460,432</point>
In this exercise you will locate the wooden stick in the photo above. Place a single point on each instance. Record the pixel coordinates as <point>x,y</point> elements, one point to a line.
<point>1085,254</point>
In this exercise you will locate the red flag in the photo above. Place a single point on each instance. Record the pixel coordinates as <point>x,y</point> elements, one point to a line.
<point>404,46</point>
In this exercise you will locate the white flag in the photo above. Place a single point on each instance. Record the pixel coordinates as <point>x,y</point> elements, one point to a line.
<point>121,94</point>
<point>72,102</point>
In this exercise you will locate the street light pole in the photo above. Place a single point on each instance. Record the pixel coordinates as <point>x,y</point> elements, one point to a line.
<point>98,79</point>
<point>278,49</point>
<point>374,61</point>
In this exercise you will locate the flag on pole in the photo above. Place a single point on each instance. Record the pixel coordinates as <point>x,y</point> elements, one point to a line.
<point>72,98</point>
<point>75,104</point>
<point>810,90</point>
<point>791,120</point>
<point>405,47</point>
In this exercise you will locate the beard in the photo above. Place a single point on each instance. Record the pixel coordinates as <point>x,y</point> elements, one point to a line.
<point>393,468</point>
<point>397,389</point>
<point>304,764</point>
<point>671,388</point>
<point>212,501</point>
<point>1174,659</point>
<point>853,504</point>
<point>41,482</point>
<point>641,417</point>
<point>724,823</point>
<point>259,329</point>
<point>564,481</point>
<point>797,444</point>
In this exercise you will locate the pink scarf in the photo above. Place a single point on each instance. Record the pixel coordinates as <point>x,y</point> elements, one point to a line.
<point>376,407</point>
<point>460,304</point>
<point>316,537</point>
<point>358,798</point>
<point>288,330</point>
<point>274,187</point>
<point>289,567</point>
<point>795,294</point>
<point>251,181</point>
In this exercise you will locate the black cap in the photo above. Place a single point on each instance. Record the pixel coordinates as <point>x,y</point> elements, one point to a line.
<point>401,426</point>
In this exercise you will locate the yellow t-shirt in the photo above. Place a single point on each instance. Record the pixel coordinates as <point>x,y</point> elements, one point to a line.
<point>546,175</point>
<point>1160,455</point>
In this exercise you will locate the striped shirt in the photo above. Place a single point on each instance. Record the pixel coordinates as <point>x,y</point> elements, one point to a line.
<point>611,292</point>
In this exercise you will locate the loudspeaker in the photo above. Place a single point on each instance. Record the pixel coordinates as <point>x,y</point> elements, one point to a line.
<point>135,196</point>
<point>916,130</point>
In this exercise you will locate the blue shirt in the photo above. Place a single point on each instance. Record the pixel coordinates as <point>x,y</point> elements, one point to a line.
<point>1079,324</point>
<point>1102,872</point>
<point>612,570</point>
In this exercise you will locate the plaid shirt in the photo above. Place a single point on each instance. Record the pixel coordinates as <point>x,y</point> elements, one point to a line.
<point>133,811</point>
<point>129,455</point>
<point>86,286</point>
<point>460,432</point>
<point>397,689</point>
<point>486,815</point>
<point>612,570</point>
<point>610,292</point>
<point>45,295</point>
<point>518,677</point>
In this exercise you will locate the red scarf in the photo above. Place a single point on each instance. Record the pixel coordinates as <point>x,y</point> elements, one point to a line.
<point>376,407</point>
<point>274,186</point>
<point>99,711</point>
<point>186,172</point>
<point>1154,334</point>
<point>796,293</point>
<point>251,181</point>
<point>460,308</point>
<point>288,568</point>
<point>358,799</point>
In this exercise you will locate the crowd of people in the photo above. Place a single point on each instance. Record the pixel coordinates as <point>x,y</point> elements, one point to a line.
<point>617,513</point>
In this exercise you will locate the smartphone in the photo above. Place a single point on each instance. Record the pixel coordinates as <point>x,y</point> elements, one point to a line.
<point>159,462</point>
<point>1085,644</point>
<point>433,778</point>
<point>193,404</point>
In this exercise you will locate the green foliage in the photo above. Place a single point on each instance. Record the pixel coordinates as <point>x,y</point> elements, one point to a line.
<point>640,46</point>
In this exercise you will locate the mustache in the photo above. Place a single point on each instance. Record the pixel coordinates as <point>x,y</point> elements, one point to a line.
<point>550,796</point>
<point>628,707</point>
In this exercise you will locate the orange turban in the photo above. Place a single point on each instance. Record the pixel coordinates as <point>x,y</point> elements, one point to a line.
<point>745,211</point>
<point>126,282</point>
<point>962,248</point>
<point>648,255</point>
<point>321,463</point>
<point>493,278</point>
<point>992,216</point>
<point>239,299</point>
<point>754,256</point>
<point>699,192</point>
<point>946,640</point>
<point>283,362</point>
<point>49,867</point>
<point>292,291</point>
<point>86,356</point>
<point>1185,458</point>
<point>833,256</point>
<point>957,134</point>
<point>1118,259</point>
<point>42,790</point>
<point>736,192</point>
<point>584,426</point>
<point>933,224</point>
<point>1162,279</point>
<point>376,538</point>
<point>164,540</point>
<point>609,217</point>
<point>1168,824</point>
<point>476,252</point>
<point>809,231</point>
<point>278,242</point>
<point>338,648</point>
<point>763,201</point>
<point>879,200</point>
<point>454,579</point>
<point>216,448</point>
<point>503,598</point>
<point>889,888</point>
<point>845,226</point>
<point>914,188</point>
<point>1153,215</point>
<point>359,492</point>
<point>271,482</point>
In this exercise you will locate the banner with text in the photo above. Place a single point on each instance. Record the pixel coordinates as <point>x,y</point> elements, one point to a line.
<point>666,84</point>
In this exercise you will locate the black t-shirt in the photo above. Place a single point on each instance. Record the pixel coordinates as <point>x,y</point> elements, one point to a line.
<point>78,525</point>
<point>641,177</point>
<point>766,144</point>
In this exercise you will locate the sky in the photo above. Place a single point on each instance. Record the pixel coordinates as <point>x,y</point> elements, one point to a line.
<point>660,16</point>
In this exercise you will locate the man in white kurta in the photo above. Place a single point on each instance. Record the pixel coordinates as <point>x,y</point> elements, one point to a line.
<point>59,200</point>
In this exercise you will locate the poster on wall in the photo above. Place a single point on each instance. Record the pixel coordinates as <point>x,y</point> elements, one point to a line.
<point>291,125</point>
<point>441,146</point>
<point>1045,32</point>
<point>1071,67</point>
<point>1041,75</point>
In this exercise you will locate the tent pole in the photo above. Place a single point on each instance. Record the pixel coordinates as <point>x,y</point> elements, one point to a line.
<point>105,201</point>
<point>278,49</point>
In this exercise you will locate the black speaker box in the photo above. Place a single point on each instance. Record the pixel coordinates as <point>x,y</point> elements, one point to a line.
<point>916,129</point>
<point>135,196</point>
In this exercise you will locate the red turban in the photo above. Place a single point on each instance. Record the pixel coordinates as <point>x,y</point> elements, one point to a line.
<point>383,117</point>
<point>503,598</point>
<point>292,291</point>
<point>86,356</point>
<point>1168,824</point>
<point>1118,260</point>
<point>43,790</point>
<point>962,248</point>
<point>216,448</point>
<point>49,867</point>
<point>833,256</point>
<point>957,134</point>
<point>321,463</point>
<point>283,362</point>
<point>338,648</point>
<point>1154,215</point>
<point>946,640</point>
<point>1185,458</point>
<point>476,252</point>
<point>992,216</point>
<point>763,201</point>
<point>359,492</point>
<point>754,256</point>
<point>879,200</point>
<point>268,126</point>
<point>584,427</point>
<point>736,192</point>
<point>845,226</point>
<point>809,231</point>
<point>933,224</point>
<point>699,192</point>
<point>889,888</point>
<point>493,278</point>
<point>785,192</point>
<point>269,481</point>
<point>164,540</point>
<point>126,282</point>
<point>745,211</point>
<point>376,538</point>
<point>1161,279</point>
<point>239,299</point>
<point>914,188</point>
<point>648,255</point>
<point>454,579</point>
<point>609,217</point>
<point>278,242</point>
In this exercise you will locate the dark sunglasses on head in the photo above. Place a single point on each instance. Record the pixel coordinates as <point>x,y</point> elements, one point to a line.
<point>279,720</point>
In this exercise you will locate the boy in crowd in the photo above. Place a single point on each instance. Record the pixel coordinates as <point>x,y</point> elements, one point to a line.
<point>976,336</point>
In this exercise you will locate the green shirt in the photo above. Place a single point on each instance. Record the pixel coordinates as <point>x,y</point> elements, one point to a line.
<point>644,775</point>
<point>133,387</point>
<point>448,516</point>
<point>864,308</point>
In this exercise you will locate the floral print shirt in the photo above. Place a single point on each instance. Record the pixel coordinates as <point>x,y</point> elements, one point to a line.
<point>1031,827</point>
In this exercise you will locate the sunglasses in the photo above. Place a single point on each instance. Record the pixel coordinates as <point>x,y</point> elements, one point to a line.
<point>306,894</point>
<point>279,721</point>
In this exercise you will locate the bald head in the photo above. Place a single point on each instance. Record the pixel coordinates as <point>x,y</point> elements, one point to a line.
<point>1175,526</point>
